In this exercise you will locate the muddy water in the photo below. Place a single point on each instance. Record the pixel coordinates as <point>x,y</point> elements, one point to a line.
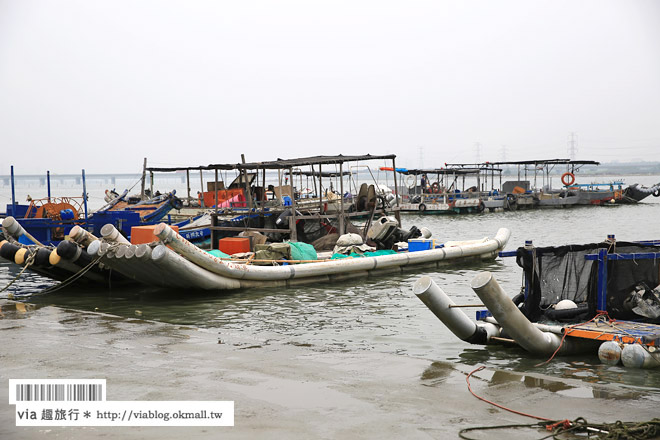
<point>376,317</point>
<point>382,315</point>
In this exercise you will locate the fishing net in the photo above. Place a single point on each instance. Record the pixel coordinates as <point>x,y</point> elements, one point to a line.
<point>559,273</point>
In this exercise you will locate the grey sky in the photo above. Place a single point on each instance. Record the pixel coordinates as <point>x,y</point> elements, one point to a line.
<point>101,84</point>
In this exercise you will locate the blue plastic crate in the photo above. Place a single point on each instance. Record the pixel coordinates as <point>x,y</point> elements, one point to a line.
<point>420,244</point>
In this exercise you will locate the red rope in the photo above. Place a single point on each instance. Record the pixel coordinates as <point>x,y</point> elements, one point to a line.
<point>563,337</point>
<point>467,379</point>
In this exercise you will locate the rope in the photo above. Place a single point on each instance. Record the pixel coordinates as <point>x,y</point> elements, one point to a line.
<point>567,331</point>
<point>467,379</point>
<point>73,277</point>
<point>28,263</point>
<point>597,431</point>
<point>604,431</point>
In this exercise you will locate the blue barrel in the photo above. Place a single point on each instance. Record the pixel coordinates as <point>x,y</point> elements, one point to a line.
<point>67,214</point>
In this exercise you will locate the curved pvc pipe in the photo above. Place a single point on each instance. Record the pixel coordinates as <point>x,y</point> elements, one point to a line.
<point>515,323</point>
<point>241,271</point>
<point>439,303</point>
<point>15,229</point>
<point>190,274</point>
<point>112,235</point>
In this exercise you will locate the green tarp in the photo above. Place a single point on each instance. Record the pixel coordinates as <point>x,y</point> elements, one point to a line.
<point>302,251</point>
<point>218,253</point>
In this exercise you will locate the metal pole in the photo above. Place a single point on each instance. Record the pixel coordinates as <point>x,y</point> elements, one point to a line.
<point>216,191</point>
<point>151,185</point>
<point>188,185</point>
<point>397,213</point>
<point>144,176</point>
<point>201,183</point>
<point>85,192</point>
<point>265,188</point>
<point>13,193</point>
<point>320,191</point>
<point>48,183</point>
<point>602,280</point>
<point>248,194</point>
<point>294,232</point>
<point>341,202</point>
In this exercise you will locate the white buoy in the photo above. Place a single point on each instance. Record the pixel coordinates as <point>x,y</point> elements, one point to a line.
<point>636,356</point>
<point>609,353</point>
<point>565,304</point>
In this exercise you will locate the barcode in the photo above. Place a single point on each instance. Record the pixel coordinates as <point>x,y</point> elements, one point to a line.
<point>56,390</point>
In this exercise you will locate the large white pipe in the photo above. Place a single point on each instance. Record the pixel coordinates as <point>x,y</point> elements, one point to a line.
<point>188,273</point>
<point>271,273</point>
<point>440,304</point>
<point>14,229</point>
<point>129,268</point>
<point>112,235</point>
<point>515,324</point>
<point>82,236</point>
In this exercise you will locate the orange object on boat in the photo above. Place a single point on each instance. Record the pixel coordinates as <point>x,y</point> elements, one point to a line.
<point>145,234</point>
<point>234,245</point>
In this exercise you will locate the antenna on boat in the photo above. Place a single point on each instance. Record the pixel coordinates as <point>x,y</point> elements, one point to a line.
<point>144,178</point>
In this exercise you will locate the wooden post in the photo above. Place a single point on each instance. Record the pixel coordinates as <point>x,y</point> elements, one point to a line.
<point>144,177</point>
<point>151,185</point>
<point>320,191</point>
<point>292,219</point>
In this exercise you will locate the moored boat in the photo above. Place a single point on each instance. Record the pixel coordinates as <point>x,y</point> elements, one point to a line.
<point>175,262</point>
<point>594,298</point>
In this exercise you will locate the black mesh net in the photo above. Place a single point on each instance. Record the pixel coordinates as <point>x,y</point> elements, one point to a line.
<point>558,273</point>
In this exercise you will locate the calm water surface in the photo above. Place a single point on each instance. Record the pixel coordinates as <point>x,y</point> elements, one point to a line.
<point>383,315</point>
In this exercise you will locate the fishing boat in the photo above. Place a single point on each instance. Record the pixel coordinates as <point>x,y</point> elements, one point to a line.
<point>536,186</point>
<point>635,193</point>
<point>174,262</point>
<point>439,191</point>
<point>67,262</point>
<point>48,220</point>
<point>599,298</point>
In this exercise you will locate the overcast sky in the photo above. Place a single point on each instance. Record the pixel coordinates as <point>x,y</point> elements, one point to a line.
<point>102,84</point>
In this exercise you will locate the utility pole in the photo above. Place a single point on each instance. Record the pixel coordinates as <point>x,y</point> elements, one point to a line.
<point>572,145</point>
<point>477,152</point>
<point>503,153</point>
